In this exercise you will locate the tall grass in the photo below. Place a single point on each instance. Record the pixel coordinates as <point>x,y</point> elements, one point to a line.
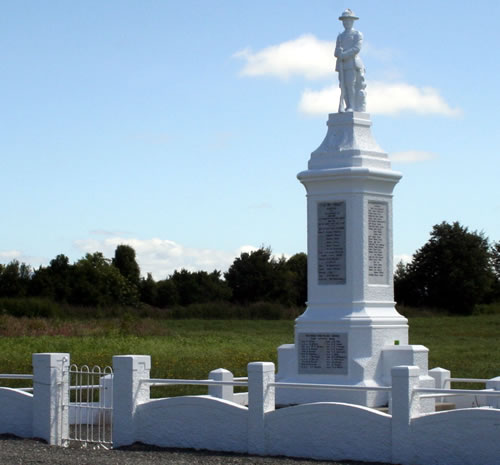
<point>468,346</point>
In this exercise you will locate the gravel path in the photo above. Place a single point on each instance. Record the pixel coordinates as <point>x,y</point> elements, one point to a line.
<point>15,451</point>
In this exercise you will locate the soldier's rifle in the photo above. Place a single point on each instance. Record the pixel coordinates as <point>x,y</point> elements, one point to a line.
<point>341,80</point>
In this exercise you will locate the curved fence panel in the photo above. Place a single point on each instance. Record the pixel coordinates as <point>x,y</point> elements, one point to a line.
<point>193,421</point>
<point>16,412</point>
<point>457,437</point>
<point>330,431</point>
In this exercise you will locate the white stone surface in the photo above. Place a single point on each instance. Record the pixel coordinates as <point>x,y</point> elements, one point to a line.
<point>349,143</point>
<point>410,355</point>
<point>404,406</point>
<point>128,394</point>
<point>221,392</point>
<point>349,65</point>
<point>350,168</point>
<point>50,392</point>
<point>261,400</point>
<point>456,437</point>
<point>327,431</point>
<point>199,422</point>
<point>16,413</point>
<point>494,383</point>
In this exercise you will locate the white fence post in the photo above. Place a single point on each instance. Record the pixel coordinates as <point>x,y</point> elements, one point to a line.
<point>221,392</point>
<point>128,392</point>
<point>260,401</point>
<point>50,397</point>
<point>404,406</point>
<point>494,383</point>
<point>441,379</point>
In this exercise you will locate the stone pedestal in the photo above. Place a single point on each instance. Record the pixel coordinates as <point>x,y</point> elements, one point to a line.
<point>351,325</point>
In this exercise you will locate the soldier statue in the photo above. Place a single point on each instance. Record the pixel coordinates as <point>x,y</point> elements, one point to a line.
<point>349,66</point>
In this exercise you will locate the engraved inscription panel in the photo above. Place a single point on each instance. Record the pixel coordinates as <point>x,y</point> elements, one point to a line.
<point>377,243</point>
<point>331,243</point>
<point>323,353</point>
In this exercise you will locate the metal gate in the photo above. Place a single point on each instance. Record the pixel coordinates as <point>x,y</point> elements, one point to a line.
<point>89,405</point>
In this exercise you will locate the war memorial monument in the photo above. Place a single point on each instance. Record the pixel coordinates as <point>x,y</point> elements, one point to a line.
<point>350,333</point>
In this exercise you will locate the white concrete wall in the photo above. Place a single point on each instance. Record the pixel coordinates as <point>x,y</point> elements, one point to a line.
<point>16,413</point>
<point>330,432</point>
<point>199,422</point>
<point>457,437</point>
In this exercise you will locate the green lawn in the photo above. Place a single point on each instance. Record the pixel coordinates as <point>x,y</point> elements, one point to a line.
<point>468,346</point>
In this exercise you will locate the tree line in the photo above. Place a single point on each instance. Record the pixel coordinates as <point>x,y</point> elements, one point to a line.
<point>95,281</point>
<point>455,270</point>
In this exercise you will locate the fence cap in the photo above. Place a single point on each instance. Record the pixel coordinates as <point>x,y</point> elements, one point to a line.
<point>132,362</point>
<point>440,370</point>
<point>220,370</point>
<point>50,358</point>
<point>405,371</point>
<point>406,348</point>
<point>255,367</point>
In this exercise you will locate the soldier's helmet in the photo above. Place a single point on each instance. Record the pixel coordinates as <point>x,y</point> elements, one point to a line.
<point>348,14</point>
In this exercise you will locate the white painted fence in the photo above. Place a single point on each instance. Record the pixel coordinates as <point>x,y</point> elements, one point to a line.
<point>409,434</point>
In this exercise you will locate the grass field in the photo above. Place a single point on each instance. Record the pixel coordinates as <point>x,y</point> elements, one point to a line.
<point>468,346</point>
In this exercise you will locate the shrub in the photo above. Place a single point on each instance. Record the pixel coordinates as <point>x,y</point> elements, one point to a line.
<point>31,307</point>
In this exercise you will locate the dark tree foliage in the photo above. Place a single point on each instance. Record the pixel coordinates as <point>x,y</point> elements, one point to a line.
<point>451,271</point>
<point>148,289</point>
<point>403,288</point>
<point>495,258</point>
<point>495,263</point>
<point>166,294</point>
<point>297,264</point>
<point>14,279</point>
<point>126,263</point>
<point>199,287</point>
<point>252,276</point>
<point>96,282</point>
<point>54,281</point>
<point>258,277</point>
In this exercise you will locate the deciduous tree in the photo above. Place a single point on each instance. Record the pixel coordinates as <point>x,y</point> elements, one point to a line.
<point>451,271</point>
<point>126,263</point>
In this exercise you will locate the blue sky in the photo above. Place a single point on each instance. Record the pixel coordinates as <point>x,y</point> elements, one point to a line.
<point>179,127</point>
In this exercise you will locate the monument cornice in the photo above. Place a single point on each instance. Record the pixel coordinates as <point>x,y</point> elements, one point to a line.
<point>350,172</point>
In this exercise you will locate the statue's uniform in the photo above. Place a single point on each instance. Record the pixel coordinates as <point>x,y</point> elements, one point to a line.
<point>349,45</point>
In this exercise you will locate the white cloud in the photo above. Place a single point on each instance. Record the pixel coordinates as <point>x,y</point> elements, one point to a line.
<point>382,98</point>
<point>392,98</point>
<point>7,256</point>
<point>380,54</point>
<point>306,56</point>
<point>411,156</point>
<point>161,257</point>
<point>405,258</point>
<point>312,58</point>
<point>320,102</point>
